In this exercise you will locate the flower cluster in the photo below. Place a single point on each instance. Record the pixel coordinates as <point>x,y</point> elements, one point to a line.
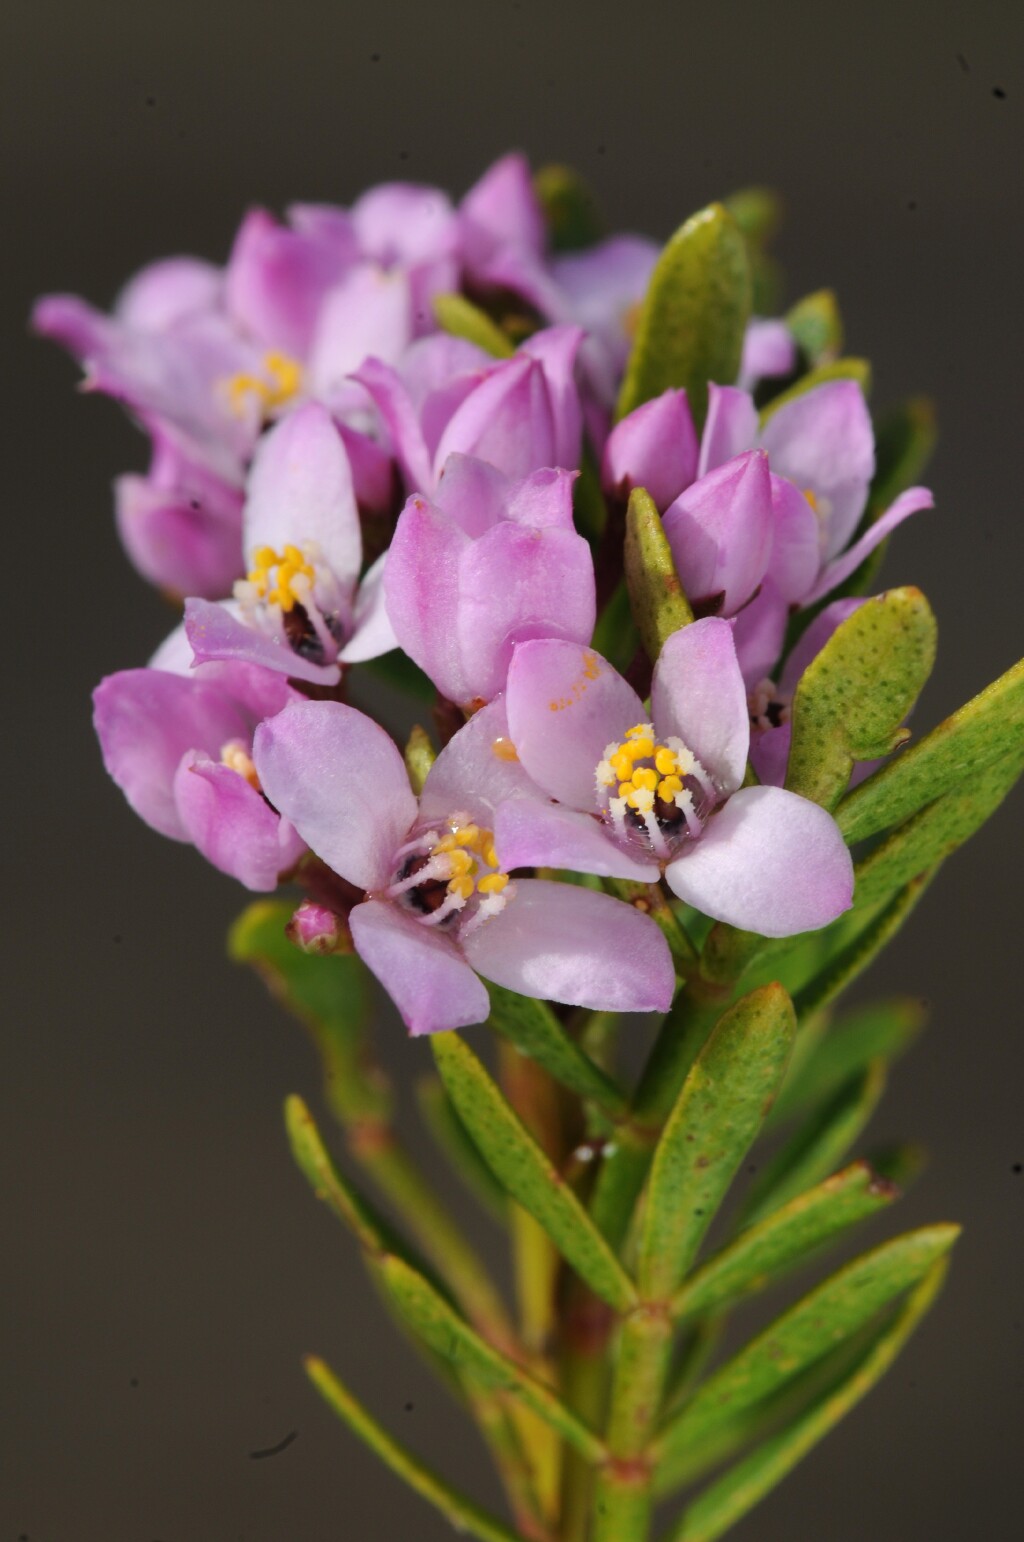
<point>335,476</point>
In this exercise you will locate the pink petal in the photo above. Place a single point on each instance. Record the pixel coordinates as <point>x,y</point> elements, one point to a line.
<point>176,544</point>
<point>215,631</point>
<point>823,442</point>
<point>565,705</point>
<point>275,282</point>
<point>501,210</point>
<point>759,631</point>
<point>300,491</point>
<point>564,943</point>
<point>422,971</point>
<point>421,594</point>
<point>392,399</point>
<point>530,833</point>
<point>163,292</point>
<point>796,542</point>
<point>232,825</point>
<point>729,428</point>
<point>910,502</point>
<point>769,754</point>
<point>472,492</point>
<point>506,419</point>
<point>769,862</point>
<point>372,632</point>
<point>342,783</point>
<point>476,771</point>
<point>556,349</point>
<point>769,350</point>
<point>543,500</point>
<point>367,315</point>
<point>400,222</point>
<point>720,532</point>
<point>698,695</point>
<point>655,447</point>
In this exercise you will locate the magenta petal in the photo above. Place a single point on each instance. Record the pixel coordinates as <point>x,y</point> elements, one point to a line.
<point>698,695</point>
<point>232,825</point>
<point>341,781</point>
<point>216,632</point>
<point>473,493</point>
<point>175,544</point>
<point>769,754</point>
<point>506,419</point>
<point>402,222</point>
<point>759,632</point>
<point>910,502</point>
<point>543,499</point>
<point>373,471</point>
<point>796,543</point>
<point>392,399</point>
<point>163,292</point>
<point>565,705</point>
<point>556,348</point>
<point>300,491</point>
<point>823,442</point>
<point>568,944</point>
<point>531,833</point>
<point>421,594</point>
<point>276,280</point>
<point>372,632</point>
<point>146,720</point>
<point>519,582</point>
<point>424,973</point>
<point>655,447</point>
<point>476,771</point>
<point>501,211</point>
<point>769,862</point>
<point>720,532</point>
<point>729,428</point>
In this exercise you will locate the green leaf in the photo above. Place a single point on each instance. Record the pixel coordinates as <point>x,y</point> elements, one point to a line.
<point>732,1496</point>
<point>459,317</point>
<point>818,1323</point>
<point>838,369</point>
<point>987,730</point>
<point>447,1334</point>
<point>656,596</point>
<point>760,1254</point>
<point>589,510</point>
<point>882,1031</point>
<point>461,1512</point>
<point>534,1029</point>
<point>817,326</point>
<point>570,208</point>
<point>905,438</point>
<point>818,1146</point>
<point>723,1103</point>
<point>453,1138</point>
<point>695,314</point>
<point>527,1173</point>
<point>615,635</point>
<point>854,695</point>
<point>419,757</point>
<point>397,669</point>
<point>757,211</point>
<point>330,996</point>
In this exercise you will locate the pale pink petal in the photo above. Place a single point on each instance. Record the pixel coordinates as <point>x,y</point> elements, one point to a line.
<point>564,943</point>
<point>342,782</point>
<point>473,493</point>
<point>531,833</point>
<point>372,632</point>
<point>543,499</point>
<point>367,315</point>
<point>655,447</point>
<point>759,632</point>
<point>175,543</point>
<point>507,419</point>
<point>232,825</point>
<point>698,695</point>
<point>769,862</point>
<point>216,631</point>
<point>910,502</point>
<point>565,705</point>
<point>720,532</point>
<point>422,971</point>
<point>796,541</point>
<point>164,291</point>
<point>501,210</point>
<point>392,399</point>
<point>729,428</point>
<point>823,442</point>
<point>769,350</point>
<point>556,349</point>
<point>275,281</point>
<point>769,754</point>
<point>421,594</point>
<point>401,222</point>
<point>477,770</point>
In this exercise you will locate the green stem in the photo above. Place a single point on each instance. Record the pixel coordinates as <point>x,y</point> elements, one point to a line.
<point>586,1326</point>
<point>461,1512</point>
<point>624,1496</point>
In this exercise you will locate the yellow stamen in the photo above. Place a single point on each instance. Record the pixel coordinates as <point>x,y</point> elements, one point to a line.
<point>664,761</point>
<point>281,380</point>
<point>493,883</point>
<point>668,787</point>
<point>284,568</point>
<point>461,886</point>
<point>644,776</point>
<point>235,755</point>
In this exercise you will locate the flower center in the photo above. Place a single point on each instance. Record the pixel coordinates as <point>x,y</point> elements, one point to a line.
<point>449,871</point>
<point>281,380</point>
<point>658,792</point>
<point>768,706</point>
<point>294,597</point>
<point>235,755</point>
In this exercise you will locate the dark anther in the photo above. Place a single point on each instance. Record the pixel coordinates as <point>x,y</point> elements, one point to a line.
<point>428,896</point>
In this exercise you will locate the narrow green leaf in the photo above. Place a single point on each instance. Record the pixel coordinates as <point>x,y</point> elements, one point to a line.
<point>570,208</point>
<point>328,993</point>
<point>817,326</point>
<point>723,1103</point>
<point>854,695</point>
<point>838,369</point>
<point>882,1031</point>
<point>831,1313</point>
<point>656,596</point>
<point>757,211</point>
<point>459,317</point>
<point>527,1173</point>
<point>905,438</point>
<point>374,1234</point>
<point>988,729</point>
<point>693,319</point>
<point>761,1253</point>
<point>534,1029</point>
<point>459,1511</point>
<point>419,757</point>
<point>453,1138</point>
<point>819,1146</point>
<point>728,1500</point>
<point>447,1334</point>
<point>934,833</point>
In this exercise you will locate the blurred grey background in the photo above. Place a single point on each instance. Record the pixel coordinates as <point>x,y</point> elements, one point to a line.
<point>164,1266</point>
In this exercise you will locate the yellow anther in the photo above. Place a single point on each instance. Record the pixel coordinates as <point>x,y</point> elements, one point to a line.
<point>235,755</point>
<point>625,789</point>
<point>622,764</point>
<point>468,835</point>
<point>668,787</point>
<point>641,798</point>
<point>493,883</point>
<point>284,569</point>
<point>460,863</point>
<point>643,776</point>
<point>641,749</point>
<point>463,887</point>
<point>811,497</point>
<point>665,761</point>
<point>639,731</point>
<point>266,557</point>
<point>490,855</point>
<point>446,843</point>
<point>282,381</point>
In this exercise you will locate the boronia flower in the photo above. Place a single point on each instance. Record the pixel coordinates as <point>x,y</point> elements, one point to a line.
<point>486,564</point>
<point>178,742</point>
<point>299,610</point>
<point>638,794</point>
<point>441,907</point>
